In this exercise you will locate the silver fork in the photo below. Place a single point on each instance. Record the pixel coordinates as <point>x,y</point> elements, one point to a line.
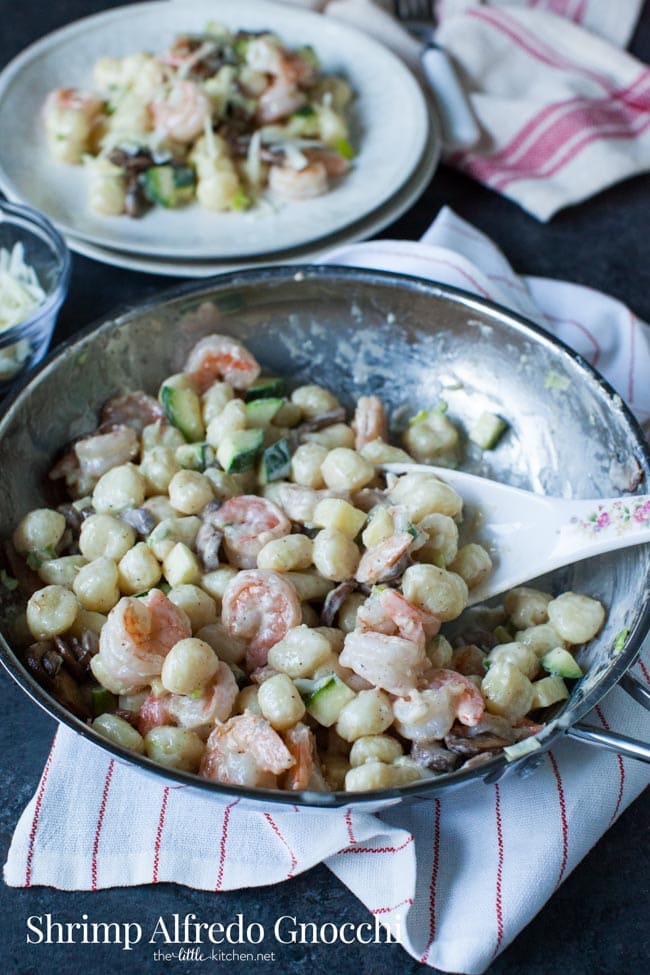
<point>414,10</point>
<point>460,130</point>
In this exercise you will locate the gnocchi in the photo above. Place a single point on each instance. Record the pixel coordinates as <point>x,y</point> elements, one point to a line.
<point>265,608</point>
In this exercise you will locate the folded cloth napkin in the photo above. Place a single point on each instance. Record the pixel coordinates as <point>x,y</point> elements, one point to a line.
<point>563,112</point>
<point>410,865</point>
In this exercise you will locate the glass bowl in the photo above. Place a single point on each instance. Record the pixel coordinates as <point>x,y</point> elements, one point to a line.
<point>25,344</point>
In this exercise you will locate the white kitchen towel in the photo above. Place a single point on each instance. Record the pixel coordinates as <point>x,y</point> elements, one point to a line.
<point>410,865</point>
<point>615,21</point>
<point>564,113</point>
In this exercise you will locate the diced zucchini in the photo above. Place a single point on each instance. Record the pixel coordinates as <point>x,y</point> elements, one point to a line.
<point>170,186</point>
<point>439,408</point>
<point>502,634</point>
<point>521,748</point>
<point>619,642</point>
<point>102,701</point>
<point>559,661</point>
<point>238,450</point>
<point>487,430</point>
<point>240,47</point>
<point>260,412</point>
<point>276,462</point>
<point>308,54</point>
<point>182,408</point>
<point>344,148</point>
<point>327,700</point>
<point>304,686</point>
<point>305,111</point>
<point>549,690</point>
<point>240,201</point>
<point>195,456</point>
<point>266,387</point>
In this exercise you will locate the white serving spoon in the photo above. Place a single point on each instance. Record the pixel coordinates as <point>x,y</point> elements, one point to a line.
<point>530,534</point>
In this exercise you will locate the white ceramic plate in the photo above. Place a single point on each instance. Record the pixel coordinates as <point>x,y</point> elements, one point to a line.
<point>390,130</point>
<point>382,217</point>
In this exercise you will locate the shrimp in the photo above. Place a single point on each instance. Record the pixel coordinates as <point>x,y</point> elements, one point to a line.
<point>334,163</point>
<point>221,357</point>
<point>382,561</point>
<point>185,711</point>
<point>154,713</point>
<point>92,456</point>
<point>388,646</point>
<point>287,70</point>
<point>430,713</point>
<point>306,773</point>
<point>470,705</point>
<point>135,410</point>
<point>298,184</point>
<point>215,703</point>
<point>71,119</point>
<point>298,502</point>
<point>468,660</point>
<point>74,100</point>
<point>136,638</point>
<point>385,661</point>
<point>279,100</point>
<point>369,421</point>
<point>183,113</point>
<point>425,715</point>
<point>99,453</point>
<point>389,612</point>
<point>368,498</point>
<point>248,523</point>
<point>261,607</point>
<point>245,751</point>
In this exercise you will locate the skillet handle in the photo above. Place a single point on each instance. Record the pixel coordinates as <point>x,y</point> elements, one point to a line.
<point>629,747</point>
<point>636,689</point>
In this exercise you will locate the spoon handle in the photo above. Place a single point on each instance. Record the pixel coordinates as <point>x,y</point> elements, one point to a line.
<point>603,525</point>
<point>531,534</point>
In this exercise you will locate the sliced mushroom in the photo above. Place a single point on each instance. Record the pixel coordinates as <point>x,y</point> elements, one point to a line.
<point>335,599</point>
<point>431,755</point>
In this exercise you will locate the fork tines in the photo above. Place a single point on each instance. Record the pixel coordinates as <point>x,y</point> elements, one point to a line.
<point>420,10</point>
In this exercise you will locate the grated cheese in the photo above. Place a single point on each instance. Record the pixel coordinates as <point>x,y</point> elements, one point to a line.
<point>20,291</point>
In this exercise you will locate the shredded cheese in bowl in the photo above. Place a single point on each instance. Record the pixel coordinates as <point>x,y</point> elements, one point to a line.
<point>20,291</point>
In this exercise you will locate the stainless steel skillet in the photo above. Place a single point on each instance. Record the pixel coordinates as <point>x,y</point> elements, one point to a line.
<point>412,342</point>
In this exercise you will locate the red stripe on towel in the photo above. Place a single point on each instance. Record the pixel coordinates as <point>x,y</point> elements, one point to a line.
<point>100,823</point>
<point>222,844</point>
<point>529,42</point>
<point>593,135</point>
<point>621,767</point>
<point>498,899</point>
<point>348,824</point>
<point>542,140</point>
<point>580,11</point>
<point>433,885</point>
<point>387,910</point>
<point>563,818</point>
<point>428,259</point>
<point>37,814</point>
<point>582,328</point>
<point>159,832</point>
<point>377,849</point>
<point>276,830</point>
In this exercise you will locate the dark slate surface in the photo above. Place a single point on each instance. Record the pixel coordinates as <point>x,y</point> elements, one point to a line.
<point>597,920</point>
